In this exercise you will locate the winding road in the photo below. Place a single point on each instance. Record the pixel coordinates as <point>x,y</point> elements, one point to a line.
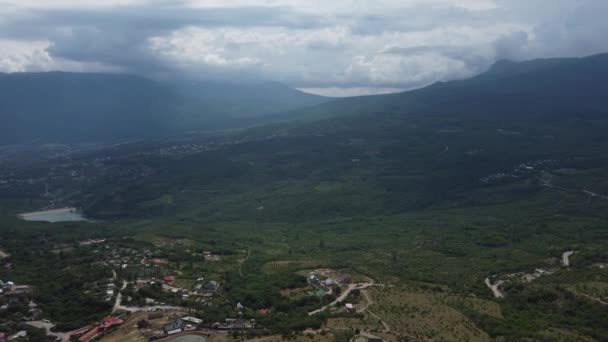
<point>119,307</point>
<point>343,295</point>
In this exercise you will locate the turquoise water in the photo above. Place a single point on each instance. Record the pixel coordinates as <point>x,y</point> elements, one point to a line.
<point>54,215</point>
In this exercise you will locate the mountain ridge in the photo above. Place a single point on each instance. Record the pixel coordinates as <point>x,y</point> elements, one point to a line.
<point>546,87</point>
<point>62,106</point>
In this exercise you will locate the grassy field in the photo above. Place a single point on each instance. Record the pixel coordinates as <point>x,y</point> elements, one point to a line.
<point>423,315</point>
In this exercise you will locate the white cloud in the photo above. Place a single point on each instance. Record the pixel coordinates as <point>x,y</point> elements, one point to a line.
<point>20,56</point>
<point>320,45</point>
<point>334,56</point>
<point>350,91</point>
<point>394,69</point>
<point>322,6</point>
<point>46,4</point>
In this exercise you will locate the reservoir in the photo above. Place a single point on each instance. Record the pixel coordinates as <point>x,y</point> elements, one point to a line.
<point>54,215</point>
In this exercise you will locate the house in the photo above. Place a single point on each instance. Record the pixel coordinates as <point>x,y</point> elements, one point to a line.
<point>109,322</point>
<point>239,307</point>
<point>80,330</point>
<point>313,278</point>
<point>350,307</point>
<point>262,312</point>
<point>235,323</point>
<point>212,286</point>
<point>169,279</point>
<point>91,334</point>
<point>174,327</point>
<point>192,320</point>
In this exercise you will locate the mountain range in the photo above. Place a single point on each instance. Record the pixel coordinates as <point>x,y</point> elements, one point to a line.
<point>508,90</point>
<point>85,107</point>
<point>68,107</point>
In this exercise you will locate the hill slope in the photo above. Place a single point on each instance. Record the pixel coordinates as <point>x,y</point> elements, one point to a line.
<point>509,90</point>
<point>67,107</point>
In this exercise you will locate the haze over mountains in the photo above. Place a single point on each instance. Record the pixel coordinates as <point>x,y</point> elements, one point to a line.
<point>72,107</point>
<point>85,107</point>
<point>509,90</point>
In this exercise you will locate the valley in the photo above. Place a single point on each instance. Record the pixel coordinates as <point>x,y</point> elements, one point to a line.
<point>416,221</point>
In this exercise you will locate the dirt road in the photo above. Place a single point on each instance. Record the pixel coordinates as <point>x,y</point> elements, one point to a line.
<point>344,294</point>
<point>593,194</point>
<point>242,261</point>
<point>47,326</point>
<point>566,258</point>
<point>118,300</point>
<point>494,288</point>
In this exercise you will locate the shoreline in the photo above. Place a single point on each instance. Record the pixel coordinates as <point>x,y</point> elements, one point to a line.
<point>54,215</point>
<point>49,211</point>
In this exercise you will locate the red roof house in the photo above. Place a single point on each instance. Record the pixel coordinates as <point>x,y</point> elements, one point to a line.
<point>169,279</point>
<point>89,335</point>
<point>109,322</point>
<point>262,311</point>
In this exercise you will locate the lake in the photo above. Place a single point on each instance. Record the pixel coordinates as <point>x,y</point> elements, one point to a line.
<point>54,215</point>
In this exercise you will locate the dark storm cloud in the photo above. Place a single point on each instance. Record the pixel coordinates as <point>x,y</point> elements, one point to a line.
<point>119,36</point>
<point>345,43</point>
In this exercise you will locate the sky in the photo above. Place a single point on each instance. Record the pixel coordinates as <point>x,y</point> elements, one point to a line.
<point>329,47</point>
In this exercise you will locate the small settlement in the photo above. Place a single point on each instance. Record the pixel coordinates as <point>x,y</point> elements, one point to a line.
<point>150,289</point>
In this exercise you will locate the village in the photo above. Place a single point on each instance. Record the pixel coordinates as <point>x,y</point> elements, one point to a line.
<point>149,290</point>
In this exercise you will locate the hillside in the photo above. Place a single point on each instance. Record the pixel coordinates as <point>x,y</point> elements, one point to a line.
<point>538,89</point>
<point>248,99</point>
<point>81,107</point>
<point>449,144</point>
<point>434,193</point>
